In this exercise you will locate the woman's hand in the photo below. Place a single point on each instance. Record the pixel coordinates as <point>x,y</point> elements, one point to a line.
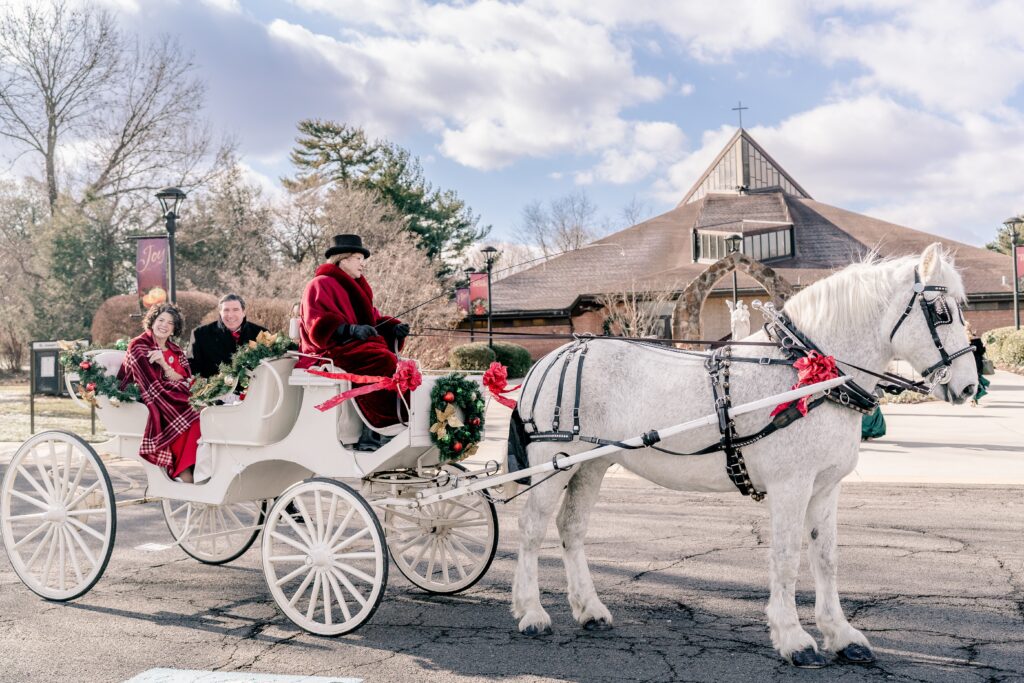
<point>156,356</point>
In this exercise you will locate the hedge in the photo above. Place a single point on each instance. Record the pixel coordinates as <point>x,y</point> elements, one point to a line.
<point>477,357</point>
<point>514,357</point>
<point>113,319</point>
<point>1005,346</point>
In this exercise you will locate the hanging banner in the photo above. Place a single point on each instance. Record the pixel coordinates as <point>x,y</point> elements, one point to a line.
<point>462,299</point>
<point>478,294</point>
<point>151,270</point>
<point>1020,261</point>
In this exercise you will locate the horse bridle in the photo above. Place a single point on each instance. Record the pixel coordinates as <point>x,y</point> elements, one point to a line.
<point>937,312</point>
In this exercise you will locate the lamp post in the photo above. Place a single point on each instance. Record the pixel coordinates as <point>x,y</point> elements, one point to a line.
<point>469,312</point>
<point>170,199</point>
<point>490,254</point>
<point>1013,224</point>
<point>732,245</point>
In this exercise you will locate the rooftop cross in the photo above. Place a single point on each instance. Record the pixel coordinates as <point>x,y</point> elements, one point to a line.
<point>739,109</point>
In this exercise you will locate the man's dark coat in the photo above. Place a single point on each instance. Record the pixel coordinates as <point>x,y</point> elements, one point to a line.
<point>213,344</point>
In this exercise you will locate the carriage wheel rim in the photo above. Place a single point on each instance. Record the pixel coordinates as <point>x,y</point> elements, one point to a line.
<point>58,515</point>
<point>443,547</point>
<point>217,534</point>
<point>327,570</point>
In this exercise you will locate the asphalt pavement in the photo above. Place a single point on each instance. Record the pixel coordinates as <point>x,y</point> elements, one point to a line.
<point>931,570</point>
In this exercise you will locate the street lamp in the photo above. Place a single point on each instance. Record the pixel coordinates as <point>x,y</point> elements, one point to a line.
<point>1013,225</point>
<point>490,253</point>
<point>732,245</point>
<point>170,199</point>
<point>469,270</point>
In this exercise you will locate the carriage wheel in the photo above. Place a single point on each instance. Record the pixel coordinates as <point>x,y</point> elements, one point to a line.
<point>325,563</point>
<point>444,547</point>
<point>58,515</point>
<point>217,534</point>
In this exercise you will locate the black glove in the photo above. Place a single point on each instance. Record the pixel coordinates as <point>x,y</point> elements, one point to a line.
<point>401,330</point>
<point>360,332</point>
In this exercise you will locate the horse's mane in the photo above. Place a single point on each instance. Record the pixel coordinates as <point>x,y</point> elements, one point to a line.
<point>856,297</point>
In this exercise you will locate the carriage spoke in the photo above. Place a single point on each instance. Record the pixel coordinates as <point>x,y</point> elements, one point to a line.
<point>358,573</point>
<point>464,536</point>
<point>455,559</point>
<point>306,519</point>
<point>325,585</point>
<point>231,513</point>
<point>457,544</point>
<point>29,499</point>
<point>22,518</point>
<point>87,529</point>
<point>415,519</point>
<point>330,519</point>
<point>86,512</point>
<point>83,545</point>
<point>284,539</point>
<point>444,563</point>
<point>287,558</point>
<point>423,549</point>
<point>292,574</point>
<point>33,483</point>
<point>342,602</point>
<point>73,486</point>
<point>183,506</point>
<point>48,567</point>
<point>351,539</point>
<point>433,558</point>
<point>83,495</point>
<point>61,560</point>
<point>65,480</point>
<point>318,502</point>
<point>467,524</point>
<point>73,555</point>
<point>32,534</point>
<point>342,526</point>
<point>39,549</point>
<point>368,555</point>
<point>298,530</point>
<point>302,587</point>
<point>349,586</point>
<point>314,595</point>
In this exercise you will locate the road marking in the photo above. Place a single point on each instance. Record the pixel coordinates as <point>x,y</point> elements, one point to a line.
<point>192,676</point>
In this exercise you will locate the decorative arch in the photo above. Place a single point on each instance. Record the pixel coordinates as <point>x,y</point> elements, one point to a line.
<point>686,315</point>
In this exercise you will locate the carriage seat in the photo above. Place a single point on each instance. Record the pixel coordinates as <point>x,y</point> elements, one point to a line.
<point>350,418</point>
<point>254,421</point>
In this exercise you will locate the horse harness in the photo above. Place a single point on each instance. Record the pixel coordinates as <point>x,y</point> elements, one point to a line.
<point>794,345</point>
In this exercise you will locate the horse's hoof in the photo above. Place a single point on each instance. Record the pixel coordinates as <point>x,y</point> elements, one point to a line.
<point>808,658</point>
<point>534,631</point>
<point>597,625</point>
<point>856,654</point>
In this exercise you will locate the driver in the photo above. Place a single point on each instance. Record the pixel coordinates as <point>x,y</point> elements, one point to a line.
<point>340,322</point>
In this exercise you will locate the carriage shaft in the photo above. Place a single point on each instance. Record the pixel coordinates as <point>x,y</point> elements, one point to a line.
<point>458,489</point>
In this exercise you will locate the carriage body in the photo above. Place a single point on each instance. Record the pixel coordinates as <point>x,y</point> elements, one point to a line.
<point>281,467</point>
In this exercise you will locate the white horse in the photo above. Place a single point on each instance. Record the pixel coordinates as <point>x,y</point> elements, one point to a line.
<point>628,389</point>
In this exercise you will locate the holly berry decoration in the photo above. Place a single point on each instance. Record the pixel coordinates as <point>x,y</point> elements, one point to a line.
<point>475,422</point>
<point>449,397</point>
<point>457,446</point>
<point>85,365</point>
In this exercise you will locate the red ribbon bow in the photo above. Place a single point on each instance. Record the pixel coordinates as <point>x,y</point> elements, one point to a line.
<point>810,369</point>
<point>496,380</point>
<point>406,378</point>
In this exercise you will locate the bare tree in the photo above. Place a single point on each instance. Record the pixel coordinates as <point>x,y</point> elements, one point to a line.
<point>22,208</point>
<point>633,311</point>
<point>511,258</point>
<point>566,223</point>
<point>636,211</point>
<point>122,117</point>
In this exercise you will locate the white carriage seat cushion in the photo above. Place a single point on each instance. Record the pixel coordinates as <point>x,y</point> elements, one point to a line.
<point>245,422</point>
<point>110,359</point>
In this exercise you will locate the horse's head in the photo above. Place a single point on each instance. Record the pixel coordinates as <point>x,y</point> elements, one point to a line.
<point>927,329</point>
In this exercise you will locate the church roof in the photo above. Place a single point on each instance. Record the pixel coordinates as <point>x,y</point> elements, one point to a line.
<point>657,254</point>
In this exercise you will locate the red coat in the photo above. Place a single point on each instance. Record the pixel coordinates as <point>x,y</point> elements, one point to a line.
<point>333,298</point>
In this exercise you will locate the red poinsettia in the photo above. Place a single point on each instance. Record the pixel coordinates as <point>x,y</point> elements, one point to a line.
<point>810,369</point>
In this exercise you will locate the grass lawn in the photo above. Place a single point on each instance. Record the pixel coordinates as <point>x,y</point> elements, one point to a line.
<point>51,413</point>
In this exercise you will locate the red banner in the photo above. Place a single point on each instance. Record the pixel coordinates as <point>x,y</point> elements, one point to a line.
<point>462,299</point>
<point>478,294</point>
<point>151,270</point>
<point>1020,261</point>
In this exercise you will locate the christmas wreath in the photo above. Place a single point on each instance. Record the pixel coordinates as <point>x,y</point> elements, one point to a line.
<point>205,391</point>
<point>93,378</point>
<point>456,436</point>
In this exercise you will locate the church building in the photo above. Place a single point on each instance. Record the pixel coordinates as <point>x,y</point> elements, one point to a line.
<point>744,214</point>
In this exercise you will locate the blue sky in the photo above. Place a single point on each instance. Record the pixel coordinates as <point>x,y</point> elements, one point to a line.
<point>908,111</point>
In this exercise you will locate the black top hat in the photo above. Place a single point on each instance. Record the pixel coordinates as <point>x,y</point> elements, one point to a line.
<point>344,244</point>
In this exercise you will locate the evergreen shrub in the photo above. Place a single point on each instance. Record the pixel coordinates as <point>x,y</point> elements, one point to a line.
<point>475,357</point>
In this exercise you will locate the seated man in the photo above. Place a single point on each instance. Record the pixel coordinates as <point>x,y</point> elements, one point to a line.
<point>339,322</point>
<point>215,343</point>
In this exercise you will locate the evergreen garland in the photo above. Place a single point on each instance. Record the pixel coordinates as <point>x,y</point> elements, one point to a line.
<point>456,438</point>
<point>205,391</point>
<point>93,378</point>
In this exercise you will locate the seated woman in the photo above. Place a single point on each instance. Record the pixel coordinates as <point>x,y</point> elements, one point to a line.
<point>158,366</point>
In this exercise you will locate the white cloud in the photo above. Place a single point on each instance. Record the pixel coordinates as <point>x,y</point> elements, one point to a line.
<point>687,89</point>
<point>649,145</point>
<point>229,6</point>
<point>495,82</point>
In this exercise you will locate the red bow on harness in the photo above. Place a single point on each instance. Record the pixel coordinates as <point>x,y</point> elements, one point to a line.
<point>496,379</point>
<point>810,369</point>
<point>406,378</point>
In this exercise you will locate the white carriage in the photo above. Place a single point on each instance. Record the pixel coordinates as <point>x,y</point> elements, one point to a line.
<point>280,466</point>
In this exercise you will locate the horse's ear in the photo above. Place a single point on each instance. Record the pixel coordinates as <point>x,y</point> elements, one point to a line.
<point>931,260</point>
